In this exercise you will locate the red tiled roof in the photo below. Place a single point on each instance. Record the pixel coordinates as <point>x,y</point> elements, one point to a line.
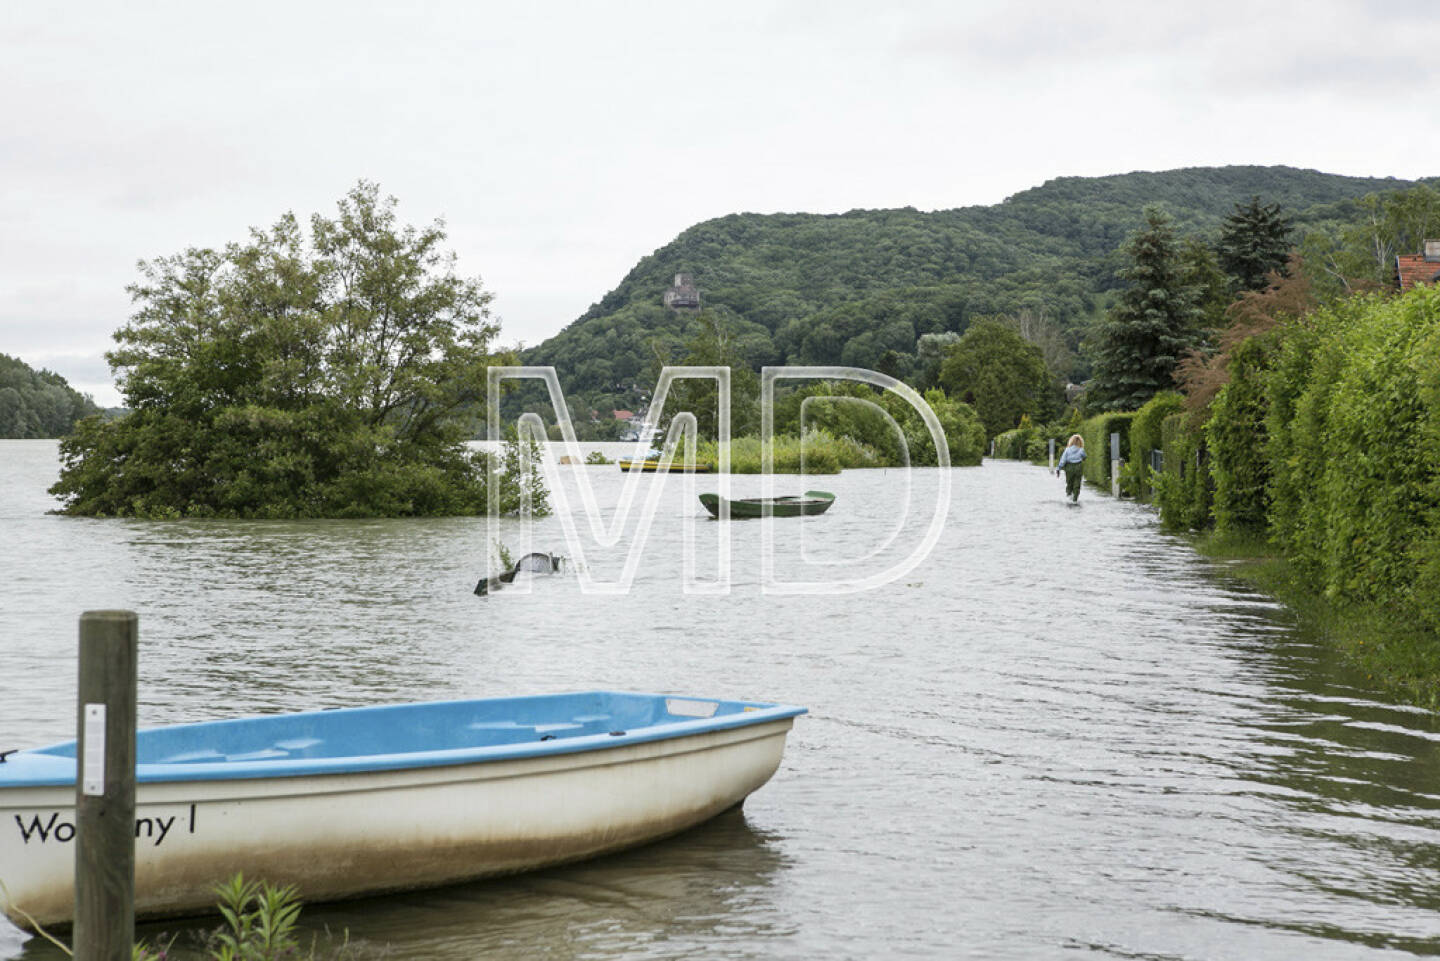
<point>623,414</point>
<point>1414,269</point>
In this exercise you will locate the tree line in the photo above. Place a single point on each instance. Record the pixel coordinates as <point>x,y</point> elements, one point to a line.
<point>336,368</point>
<point>38,403</point>
<point>874,288</point>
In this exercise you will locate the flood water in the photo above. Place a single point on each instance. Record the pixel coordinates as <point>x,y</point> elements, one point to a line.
<point>1063,734</point>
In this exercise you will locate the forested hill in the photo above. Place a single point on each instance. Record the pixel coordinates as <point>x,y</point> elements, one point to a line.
<point>37,403</point>
<point>851,288</point>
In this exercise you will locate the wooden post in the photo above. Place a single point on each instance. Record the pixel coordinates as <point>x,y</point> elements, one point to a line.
<point>105,787</point>
<point>1052,453</point>
<point>1115,464</point>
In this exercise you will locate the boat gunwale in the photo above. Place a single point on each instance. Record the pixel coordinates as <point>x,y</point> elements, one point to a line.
<point>658,467</point>
<point>59,769</point>
<point>171,792</point>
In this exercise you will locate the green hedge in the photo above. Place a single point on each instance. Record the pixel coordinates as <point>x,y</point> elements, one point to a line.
<point>1354,451</point>
<point>1011,444</point>
<point>1297,389</point>
<point>1032,443</point>
<point>1096,431</point>
<point>1144,437</point>
<point>1236,435</point>
<point>1183,489</point>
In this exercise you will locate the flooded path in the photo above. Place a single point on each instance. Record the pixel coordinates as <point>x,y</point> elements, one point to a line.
<point>1063,733</point>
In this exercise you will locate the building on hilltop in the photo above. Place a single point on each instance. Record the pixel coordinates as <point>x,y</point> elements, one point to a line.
<point>1421,268</point>
<point>683,293</point>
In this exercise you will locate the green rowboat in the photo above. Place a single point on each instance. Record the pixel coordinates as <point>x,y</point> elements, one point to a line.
<point>811,502</point>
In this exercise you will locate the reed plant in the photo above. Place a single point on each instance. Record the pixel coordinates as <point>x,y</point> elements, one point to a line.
<point>260,924</point>
<point>818,452</point>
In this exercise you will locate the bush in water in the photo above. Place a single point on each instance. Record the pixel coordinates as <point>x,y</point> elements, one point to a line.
<point>1145,437</point>
<point>1096,431</point>
<point>1356,490</point>
<point>1235,435</point>
<point>1183,487</point>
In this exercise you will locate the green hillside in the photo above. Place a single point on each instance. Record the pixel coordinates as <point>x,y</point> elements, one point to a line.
<point>853,288</point>
<point>37,403</point>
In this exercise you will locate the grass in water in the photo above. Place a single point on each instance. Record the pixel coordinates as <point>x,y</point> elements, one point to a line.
<point>1390,648</point>
<point>820,452</point>
<point>260,925</point>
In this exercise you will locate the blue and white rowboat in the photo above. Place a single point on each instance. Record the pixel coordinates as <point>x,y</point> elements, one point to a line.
<point>357,801</point>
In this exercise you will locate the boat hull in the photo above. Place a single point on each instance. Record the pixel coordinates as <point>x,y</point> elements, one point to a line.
<point>812,503</point>
<point>655,467</point>
<point>346,835</point>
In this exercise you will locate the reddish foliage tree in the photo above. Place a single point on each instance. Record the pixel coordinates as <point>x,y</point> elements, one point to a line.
<point>1200,375</point>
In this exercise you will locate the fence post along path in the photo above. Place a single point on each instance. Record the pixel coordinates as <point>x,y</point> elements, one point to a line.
<point>1115,464</point>
<point>105,787</point>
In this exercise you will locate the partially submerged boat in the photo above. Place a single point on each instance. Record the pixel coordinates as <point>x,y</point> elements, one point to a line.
<point>358,801</point>
<point>535,562</point>
<point>811,502</point>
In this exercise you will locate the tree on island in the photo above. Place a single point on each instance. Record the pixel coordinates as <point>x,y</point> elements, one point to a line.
<point>1254,243</point>
<point>331,375</point>
<point>1000,374</point>
<point>1154,322</point>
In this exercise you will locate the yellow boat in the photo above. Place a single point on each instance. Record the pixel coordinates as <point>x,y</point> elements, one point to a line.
<point>653,466</point>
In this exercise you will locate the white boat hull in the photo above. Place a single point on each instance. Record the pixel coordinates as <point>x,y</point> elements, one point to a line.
<point>346,835</point>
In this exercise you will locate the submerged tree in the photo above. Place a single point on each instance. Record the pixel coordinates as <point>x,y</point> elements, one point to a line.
<point>1001,374</point>
<point>1153,324</point>
<point>331,376</point>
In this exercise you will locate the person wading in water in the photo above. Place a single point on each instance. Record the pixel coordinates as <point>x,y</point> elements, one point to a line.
<point>1072,460</point>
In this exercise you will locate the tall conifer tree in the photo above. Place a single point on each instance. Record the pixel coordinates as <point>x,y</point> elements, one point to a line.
<point>1254,240</point>
<point>1153,323</point>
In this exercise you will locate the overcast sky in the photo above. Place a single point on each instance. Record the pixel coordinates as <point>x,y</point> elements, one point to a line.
<point>562,142</point>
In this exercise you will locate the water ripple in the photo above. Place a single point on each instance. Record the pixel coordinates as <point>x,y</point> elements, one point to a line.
<point>1062,732</point>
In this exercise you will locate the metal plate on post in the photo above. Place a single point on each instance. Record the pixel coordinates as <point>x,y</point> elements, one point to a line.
<point>92,771</point>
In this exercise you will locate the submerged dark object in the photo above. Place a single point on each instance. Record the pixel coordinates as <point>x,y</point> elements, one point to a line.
<point>532,563</point>
<point>812,502</point>
<point>537,563</point>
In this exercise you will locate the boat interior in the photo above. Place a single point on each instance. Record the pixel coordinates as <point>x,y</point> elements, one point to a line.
<point>413,728</point>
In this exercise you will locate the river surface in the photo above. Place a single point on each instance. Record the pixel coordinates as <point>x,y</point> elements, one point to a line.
<point>1063,734</point>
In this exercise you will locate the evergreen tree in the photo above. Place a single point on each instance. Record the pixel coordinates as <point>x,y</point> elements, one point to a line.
<point>1254,240</point>
<point>1154,321</point>
<point>1201,268</point>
